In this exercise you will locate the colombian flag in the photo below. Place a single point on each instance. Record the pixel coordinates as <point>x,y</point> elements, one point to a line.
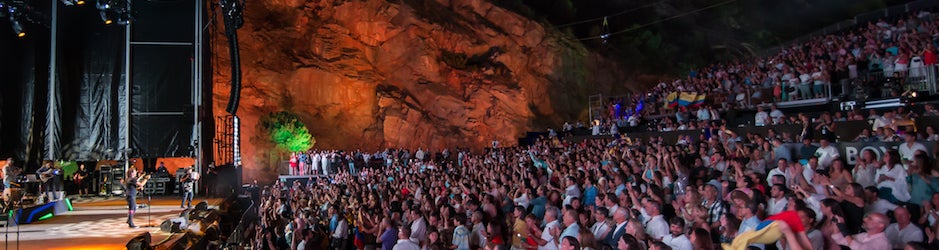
<point>672,100</point>
<point>699,100</point>
<point>686,98</point>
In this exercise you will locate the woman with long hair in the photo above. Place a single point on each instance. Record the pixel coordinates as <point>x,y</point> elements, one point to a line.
<point>891,179</point>
<point>701,239</point>
<point>839,176</point>
<point>830,209</point>
<point>922,184</point>
<point>730,224</point>
<point>865,168</point>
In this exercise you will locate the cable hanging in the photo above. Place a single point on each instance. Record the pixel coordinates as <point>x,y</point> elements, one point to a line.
<point>606,36</point>
<point>608,16</point>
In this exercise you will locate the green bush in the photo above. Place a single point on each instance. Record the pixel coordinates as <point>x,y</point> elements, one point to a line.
<point>288,132</point>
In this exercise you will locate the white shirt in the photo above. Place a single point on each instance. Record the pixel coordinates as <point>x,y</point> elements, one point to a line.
<point>571,192</point>
<point>761,119</point>
<point>898,238</point>
<point>864,176</point>
<point>677,243</point>
<point>881,206</point>
<point>826,155</point>
<point>777,171</point>
<point>419,230</point>
<point>907,152</point>
<point>600,230</point>
<point>777,205</point>
<point>342,229</point>
<point>406,245</point>
<point>776,115</point>
<point>657,227</point>
<point>546,236</point>
<point>899,187</point>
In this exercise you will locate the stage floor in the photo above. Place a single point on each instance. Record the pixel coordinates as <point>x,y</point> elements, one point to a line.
<point>96,223</point>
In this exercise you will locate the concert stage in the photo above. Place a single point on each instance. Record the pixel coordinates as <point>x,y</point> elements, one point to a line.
<point>97,223</point>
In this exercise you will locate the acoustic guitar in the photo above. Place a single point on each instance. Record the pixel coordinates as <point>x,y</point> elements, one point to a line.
<point>48,174</point>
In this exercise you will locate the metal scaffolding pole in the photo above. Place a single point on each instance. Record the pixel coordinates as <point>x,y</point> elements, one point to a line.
<point>127,94</point>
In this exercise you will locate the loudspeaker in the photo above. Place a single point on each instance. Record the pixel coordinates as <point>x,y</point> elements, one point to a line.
<point>202,206</point>
<point>174,225</point>
<point>140,242</point>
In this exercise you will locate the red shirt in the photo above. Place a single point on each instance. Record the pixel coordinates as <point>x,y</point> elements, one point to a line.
<point>929,58</point>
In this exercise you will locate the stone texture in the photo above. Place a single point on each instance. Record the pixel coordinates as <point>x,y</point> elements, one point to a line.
<point>372,74</point>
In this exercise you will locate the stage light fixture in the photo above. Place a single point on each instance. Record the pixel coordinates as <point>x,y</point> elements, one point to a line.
<point>124,18</point>
<point>73,2</point>
<point>103,5</point>
<point>105,17</point>
<point>17,28</point>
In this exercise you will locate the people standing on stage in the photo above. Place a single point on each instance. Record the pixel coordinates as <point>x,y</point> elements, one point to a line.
<point>317,160</point>
<point>130,186</point>
<point>301,160</point>
<point>325,163</point>
<point>50,176</point>
<point>79,177</point>
<point>9,173</point>
<point>188,183</point>
<point>293,164</point>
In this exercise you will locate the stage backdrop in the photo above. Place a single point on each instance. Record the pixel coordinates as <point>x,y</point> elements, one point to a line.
<point>78,117</point>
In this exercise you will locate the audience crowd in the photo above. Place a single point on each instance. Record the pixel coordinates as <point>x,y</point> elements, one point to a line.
<point>615,193</point>
<point>626,193</point>
<point>881,59</point>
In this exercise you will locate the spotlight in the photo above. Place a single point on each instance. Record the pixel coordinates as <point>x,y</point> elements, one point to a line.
<point>17,28</point>
<point>73,2</point>
<point>102,4</point>
<point>124,18</point>
<point>106,17</point>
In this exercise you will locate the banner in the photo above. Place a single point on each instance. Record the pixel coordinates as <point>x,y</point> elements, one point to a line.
<point>851,151</point>
<point>671,101</point>
<point>699,100</point>
<point>686,98</point>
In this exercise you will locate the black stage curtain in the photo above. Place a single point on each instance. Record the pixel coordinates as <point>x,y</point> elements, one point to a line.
<point>80,119</point>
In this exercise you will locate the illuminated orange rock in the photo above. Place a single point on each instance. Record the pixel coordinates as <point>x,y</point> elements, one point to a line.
<point>373,74</point>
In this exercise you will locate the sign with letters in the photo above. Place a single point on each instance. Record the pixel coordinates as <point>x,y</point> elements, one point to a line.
<point>851,151</point>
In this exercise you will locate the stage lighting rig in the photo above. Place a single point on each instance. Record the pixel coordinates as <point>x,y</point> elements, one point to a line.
<point>17,28</point>
<point>14,11</point>
<point>73,2</point>
<point>113,12</point>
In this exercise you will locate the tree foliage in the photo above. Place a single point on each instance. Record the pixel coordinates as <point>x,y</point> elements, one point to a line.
<point>288,132</point>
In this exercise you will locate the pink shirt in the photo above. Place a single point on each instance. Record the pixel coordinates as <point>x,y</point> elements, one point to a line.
<point>863,241</point>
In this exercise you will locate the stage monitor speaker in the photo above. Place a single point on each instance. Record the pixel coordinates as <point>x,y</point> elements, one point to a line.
<point>140,242</point>
<point>202,206</point>
<point>174,225</point>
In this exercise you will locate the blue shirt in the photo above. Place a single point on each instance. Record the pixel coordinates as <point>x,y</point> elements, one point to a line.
<point>750,224</point>
<point>921,191</point>
<point>389,238</point>
<point>538,206</point>
<point>573,230</point>
<point>333,223</point>
<point>590,196</point>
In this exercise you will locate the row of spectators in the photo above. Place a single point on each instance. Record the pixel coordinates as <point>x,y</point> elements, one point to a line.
<point>614,194</point>
<point>892,53</point>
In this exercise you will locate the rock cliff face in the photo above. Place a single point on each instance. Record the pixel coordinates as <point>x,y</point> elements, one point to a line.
<point>435,73</point>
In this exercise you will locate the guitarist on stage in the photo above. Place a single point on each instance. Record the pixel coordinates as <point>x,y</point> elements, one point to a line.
<point>49,174</point>
<point>131,184</point>
<point>79,178</point>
